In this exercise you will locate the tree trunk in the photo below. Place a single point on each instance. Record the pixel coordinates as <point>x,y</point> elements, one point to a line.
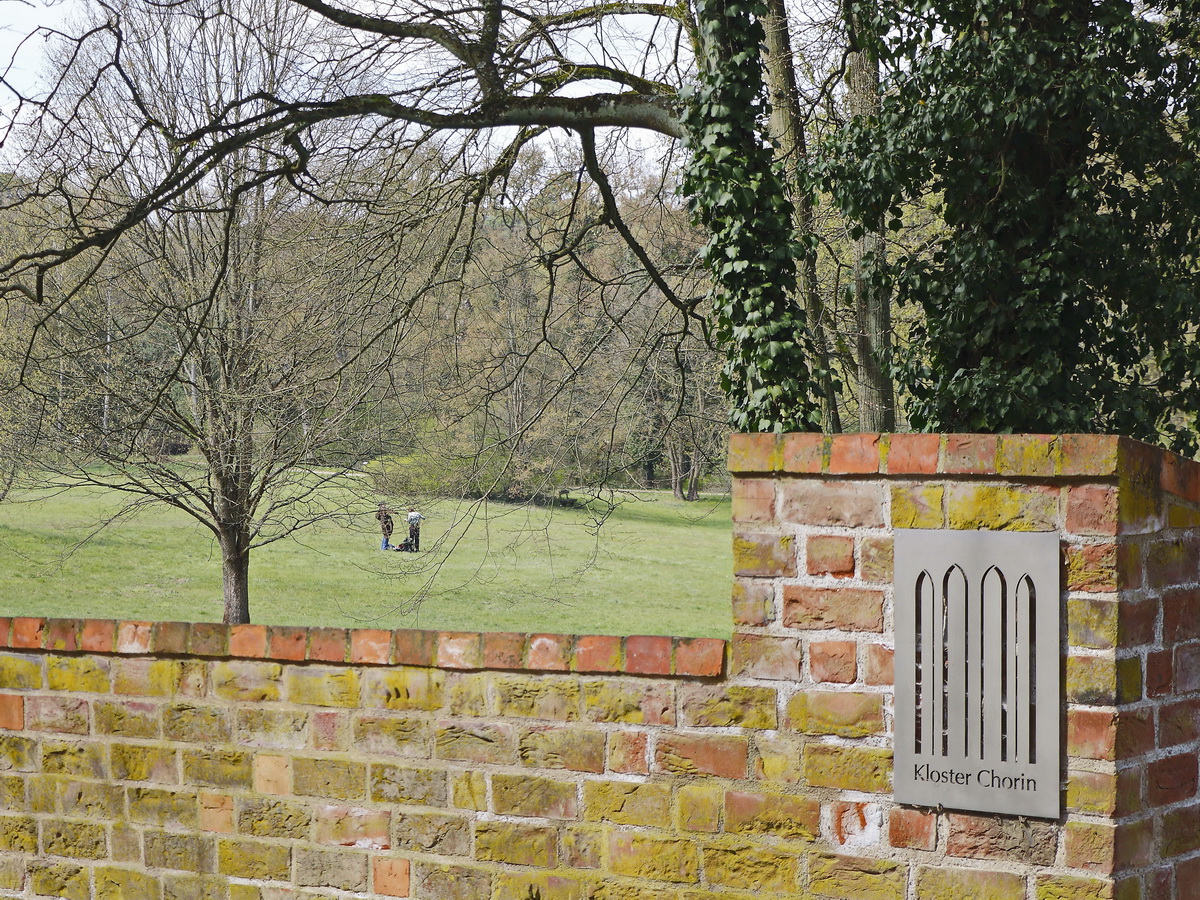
<point>787,128</point>
<point>693,480</point>
<point>235,575</point>
<point>872,306</point>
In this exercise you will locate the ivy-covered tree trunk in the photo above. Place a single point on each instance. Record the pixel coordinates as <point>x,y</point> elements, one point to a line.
<point>791,150</point>
<point>772,375</point>
<point>872,305</point>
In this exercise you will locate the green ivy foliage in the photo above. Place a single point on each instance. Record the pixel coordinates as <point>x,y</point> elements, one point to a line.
<point>1058,139</point>
<point>736,192</point>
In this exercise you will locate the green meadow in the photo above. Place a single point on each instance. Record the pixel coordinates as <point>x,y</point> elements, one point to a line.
<point>654,566</point>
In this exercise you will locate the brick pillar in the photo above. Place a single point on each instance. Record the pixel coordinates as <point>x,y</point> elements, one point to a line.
<point>814,517</point>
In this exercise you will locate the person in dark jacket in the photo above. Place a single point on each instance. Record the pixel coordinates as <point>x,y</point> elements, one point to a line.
<point>385,525</point>
<point>414,529</point>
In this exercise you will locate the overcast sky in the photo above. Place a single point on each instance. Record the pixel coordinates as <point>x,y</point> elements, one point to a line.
<point>18,19</point>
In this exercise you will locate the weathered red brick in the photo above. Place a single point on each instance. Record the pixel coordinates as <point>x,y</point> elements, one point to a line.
<point>876,559</point>
<point>170,637</point>
<point>99,636</point>
<point>1160,673</point>
<point>912,829</point>
<point>754,453</point>
<point>1181,615</point>
<point>724,756</point>
<point>1089,454</point>
<point>597,653</point>
<point>62,634</point>
<point>765,656</point>
<point>28,632</point>
<point>827,554</point>
<point>1179,723</point>
<point>764,554</point>
<point>248,641</point>
<point>286,642</point>
<point>833,661</point>
<point>970,454</point>
<point>778,815</point>
<point>12,712</point>
<point>415,647</point>
<point>208,639</point>
<point>1090,846</point>
<point>753,499</point>
<point>753,601</point>
<point>985,837</point>
<point>648,655</point>
<point>913,454</point>
<point>372,646</point>
<point>504,650</point>
<point>1135,732</point>
<point>1092,510</point>
<point>1092,733</point>
<point>804,454</point>
<point>549,652</point>
<point>627,752</point>
<point>848,609</point>
<point>1187,668</point>
<point>459,650</point>
<point>852,504</point>
<point>699,656</point>
<point>1092,568</point>
<point>1171,780</point>
<point>854,454</point>
<point>390,876</point>
<point>1180,476</point>
<point>879,665</point>
<point>328,644</point>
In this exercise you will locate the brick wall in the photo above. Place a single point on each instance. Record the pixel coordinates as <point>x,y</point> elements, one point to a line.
<point>169,761</point>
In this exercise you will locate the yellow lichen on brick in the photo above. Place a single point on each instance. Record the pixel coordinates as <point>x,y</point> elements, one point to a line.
<point>955,884</point>
<point>844,713</point>
<point>699,807</point>
<point>1072,887</point>
<point>1003,507</point>
<point>537,697</point>
<point>516,843</point>
<point>750,866</point>
<point>854,878</point>
<point>660,859</point>
<point>20,673</point>
<point>322,686</point>
<point>848,768</point>
<point>918,506</point>
<point>468,790</point>
<point>85,674</point>
<point>627,803</point>
<point>113,883</point>
<point>253,859</point>
<point>404,687</point>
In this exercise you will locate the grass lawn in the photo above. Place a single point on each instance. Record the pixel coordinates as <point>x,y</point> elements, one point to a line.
<point>656,566</point>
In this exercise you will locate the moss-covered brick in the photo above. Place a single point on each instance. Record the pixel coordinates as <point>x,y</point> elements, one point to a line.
<point>247,680</point>
<point>442,833</point>
<point>322,686</point>
<point>261,817</point>
<point>193,723</point>
<point>42,792</point>
<point>477,743</point>
<point>1003,507</point>
<point>466,694</point>
<point>404,687</point>
<point>848,768</point>
<point>158,806</point>
<point>1092,623</point>
<point>244,892</point>
<point>918,506</point>
<point>779,815</point>
<point>113,883</point>
<point>1092,792</point>
<point>70,837</point>
<point>528,795</point>
<point>337,778</point>
<point>451,882</point>
<point>84,760</point>
<point>178,850</point>
<point>629,702</point>
<point>90,799</point>
<point>17,754</point>
<point>579,749</point>
<point>627,802</point>
<point>751,867</point>
<point>516,843</point>
<point>147,677</point>
<point>1071,887</point>
<point>20,673</point>
<point>254,859</point>
<point>844,713</point>
<point>698,807</point>
<point>641,856</point>
<point>350,826</point>
<point>12,874</point>
<point>218,768</point>
<point>12,792</point>
<point>718,706</point>
<point>955,884</point>
<point>341,869</point>
<point>271,728</point>
<point>778,758</point>
<point>407,784</point>
<point>764,554</point>
<point>137,762</point>
<point>537,697</point>
<point>468,790</point>
<point>18,834</point>
<point>393,736</point>
<point>179,886</point>
<point>856,878</point>
<point>62,881</point>
<point>84,674</point>
<point>127,719</point>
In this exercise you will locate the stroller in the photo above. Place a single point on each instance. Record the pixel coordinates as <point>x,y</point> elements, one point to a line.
<point>405,546</point>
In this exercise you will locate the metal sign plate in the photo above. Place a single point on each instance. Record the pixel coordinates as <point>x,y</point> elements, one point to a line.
<point>977,670</point>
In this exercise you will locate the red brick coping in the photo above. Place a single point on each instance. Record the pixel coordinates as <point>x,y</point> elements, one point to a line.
<point>1009,455</point>
<point>636,655</point>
